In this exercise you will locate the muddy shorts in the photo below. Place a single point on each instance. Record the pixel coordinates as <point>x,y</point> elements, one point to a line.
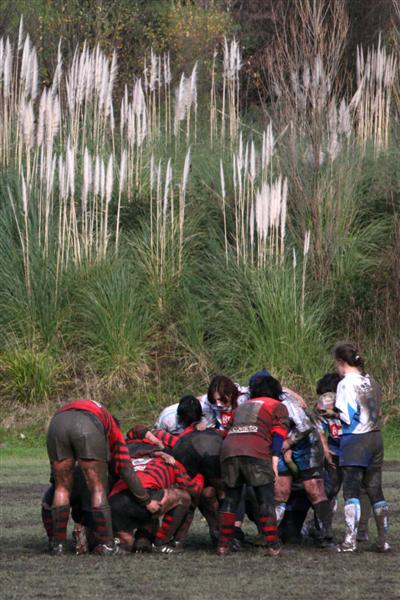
<point>309,459</point>
<point>127,514</point>
<point>361,450</point>
<point>77,434</point>
<point>238,470</point>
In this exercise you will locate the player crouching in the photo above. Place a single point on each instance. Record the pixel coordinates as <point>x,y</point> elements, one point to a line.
<point>166,481</point>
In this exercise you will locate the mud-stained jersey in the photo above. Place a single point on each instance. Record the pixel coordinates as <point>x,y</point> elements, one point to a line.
<point>358,400</point>
<point>254,424</point>
<point>119,453</point>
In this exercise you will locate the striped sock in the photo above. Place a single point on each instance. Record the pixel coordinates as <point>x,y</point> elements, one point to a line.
<point>226,528</point>
<point>47,521</point>
<point>170,524</point>
<point>269,529</point>
<point>102,521</point>
<point>60,516</point>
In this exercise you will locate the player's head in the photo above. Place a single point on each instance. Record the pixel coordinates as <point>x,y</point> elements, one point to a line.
<point>222,392</point>
<point>328,383</point>
<point>346,355</point>
<point>189,411</point>
<point>257,375</point>
<point>264,385</point>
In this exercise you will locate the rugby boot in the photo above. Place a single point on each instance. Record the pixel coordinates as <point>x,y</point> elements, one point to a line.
<point>109,549</point>
<point>380,510</point>
<point>223,550</point>
<point>165,549</point>
<point>179,546</point>
<point>58,549</point>
<point>273,551</point>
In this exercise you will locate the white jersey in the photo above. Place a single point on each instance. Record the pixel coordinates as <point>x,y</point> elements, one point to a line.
<point>358,400</point>
<point>168,420</point>
<point>219,416</point>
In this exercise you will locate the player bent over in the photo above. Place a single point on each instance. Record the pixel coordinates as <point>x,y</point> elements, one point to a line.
<point>171,486</point>
<point>250,455</point>
<point>86,432</point>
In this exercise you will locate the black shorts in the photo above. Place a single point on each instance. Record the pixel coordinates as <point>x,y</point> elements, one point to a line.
<point>240,470</point>
<point>127,514</point>
<point>77,434</point>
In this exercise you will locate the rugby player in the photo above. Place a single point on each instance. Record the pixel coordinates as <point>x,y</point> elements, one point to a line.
<point>165,480</point>
<point>86,432</point>
<point>307,451</point>
<point>361,445</point>
<point>250,455</point>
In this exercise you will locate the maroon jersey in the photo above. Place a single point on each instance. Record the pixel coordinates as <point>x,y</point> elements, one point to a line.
<point>254,424</point>
<point>155,473</point>
<point>119,453</point>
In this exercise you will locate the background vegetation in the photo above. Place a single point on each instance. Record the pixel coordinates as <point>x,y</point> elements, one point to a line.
<point>157,228</point>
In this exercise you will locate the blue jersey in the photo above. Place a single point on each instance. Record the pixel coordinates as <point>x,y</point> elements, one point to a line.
<point>332,428</point>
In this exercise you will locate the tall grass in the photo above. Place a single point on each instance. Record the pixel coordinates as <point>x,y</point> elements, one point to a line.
<point>156,231</point>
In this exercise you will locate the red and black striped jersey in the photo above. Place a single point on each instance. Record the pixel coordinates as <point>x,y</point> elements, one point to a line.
<point>119,453</point>
<point>254,424</point>
<point>155,473</point>
<point>138,432</point>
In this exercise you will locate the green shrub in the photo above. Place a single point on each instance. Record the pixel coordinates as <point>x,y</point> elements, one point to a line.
<point>30,376</point>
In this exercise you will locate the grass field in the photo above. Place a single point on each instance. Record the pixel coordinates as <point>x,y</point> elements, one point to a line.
<point>301,573</point>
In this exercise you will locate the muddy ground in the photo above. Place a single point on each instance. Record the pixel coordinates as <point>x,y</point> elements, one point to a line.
<point>303,573</point>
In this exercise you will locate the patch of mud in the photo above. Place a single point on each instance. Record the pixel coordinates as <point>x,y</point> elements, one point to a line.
<point>12,494</point>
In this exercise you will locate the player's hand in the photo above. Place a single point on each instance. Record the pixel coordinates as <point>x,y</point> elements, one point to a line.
<point>153,440</point>
<point>329,460</point>
<point>201,426</point>
<point>153,506</point>
<point>167,457</point>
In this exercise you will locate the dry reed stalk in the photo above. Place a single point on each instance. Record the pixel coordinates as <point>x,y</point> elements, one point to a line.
<point>122,180</point>
<point>223,194</point>
<point>182,204</point>
<point>213,103</point>
<point>231,87</point>
<point>306,249</point>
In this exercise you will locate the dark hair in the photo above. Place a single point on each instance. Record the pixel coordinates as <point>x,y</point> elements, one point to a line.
<point>328,383</point>
<point>348,353</point>
<point>225,388</point>
<point>189,411</point>
<point>265,386</point>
